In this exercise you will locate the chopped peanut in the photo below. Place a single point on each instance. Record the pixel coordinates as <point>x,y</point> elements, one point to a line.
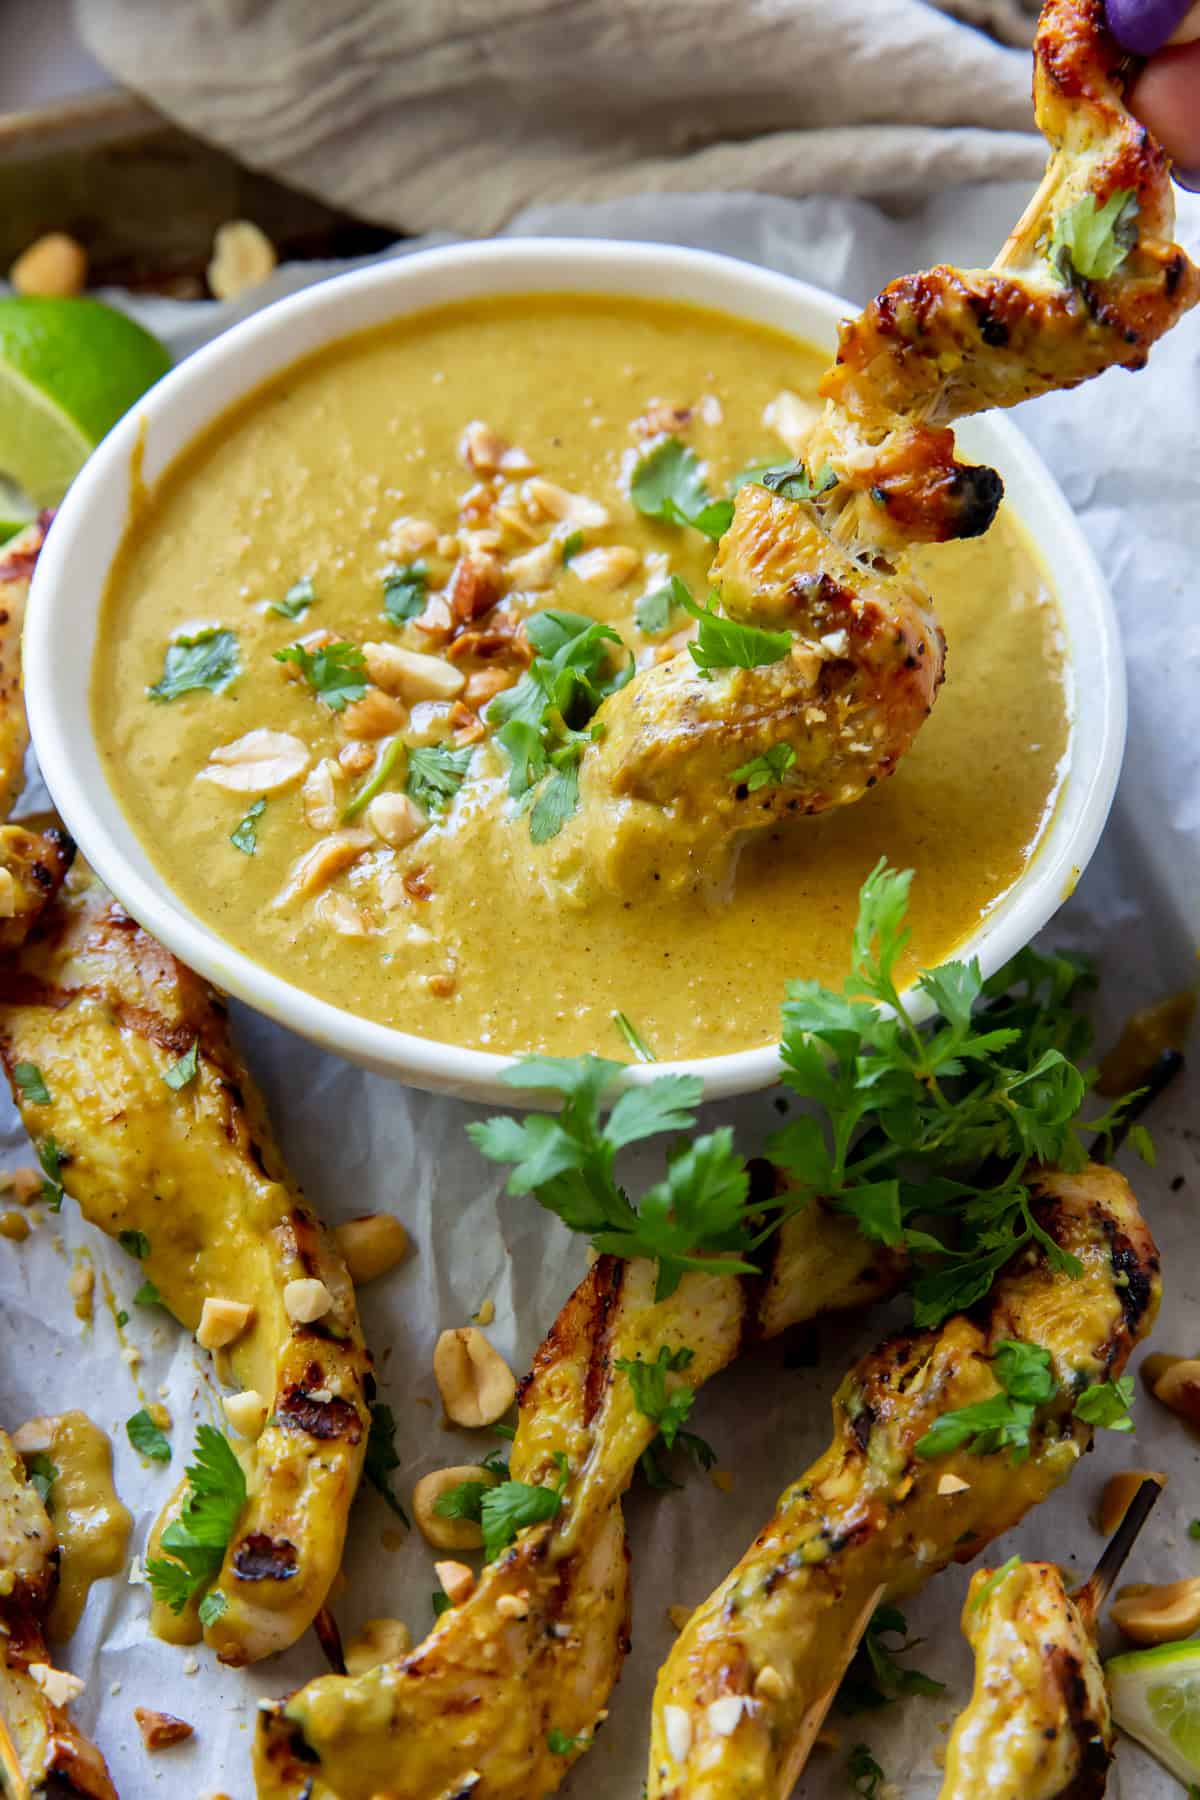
<point>53,267</point>
<point>458,1581</point>
<point>432,722</point>
<point>792,419</point>
<point>481,448</point>
<point>306,1300</point>
<point>159,1729</point>
<point>355,758</point>
<point>512,1606</point>
<point>1155,1366</point>
<point>544,499</point>
<point>396,819</point>
<point>379,1641</point>
<point>476,1384</point>
<point>246,1412</point>
<point>409,536</point>
<point>770,1683</point>
<point>14,1226</point>
<point>222,1322</point>
<point>27,1183</point>
<point>59,1687</point>
<point>448,1534</point>
<point>606,568</point>
<point>475,582</point>
<point>81,1285</point>
<point>1157,1615</point>
<point>371,1245</point>
<point>411,675</point>
<point>260,762</point>
<point>341,915</point>
<point>1118,1495</point>
<point>318,866</point>
<point>1179,1388</point>
<point>952,1484</point>
<point>376,715</point>
<point>322,796</point>
<point>537,568</point>
<point>437,621</point>
<point>243,257</point>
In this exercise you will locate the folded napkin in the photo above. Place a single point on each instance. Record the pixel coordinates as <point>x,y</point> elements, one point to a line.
<point>456,113</point>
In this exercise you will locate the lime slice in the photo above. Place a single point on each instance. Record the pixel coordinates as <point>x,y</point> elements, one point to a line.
<point>1156,1698</point>
<point>68,370</point>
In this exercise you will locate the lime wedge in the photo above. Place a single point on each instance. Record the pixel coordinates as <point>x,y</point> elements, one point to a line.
<point>68,370</point>
<point>1155,1697</point>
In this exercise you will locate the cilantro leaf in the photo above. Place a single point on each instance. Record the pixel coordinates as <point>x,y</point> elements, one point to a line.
<point>214,1606</point>
<point>863,1772</point>
<point>296,602</point>
<point>336,673</point>
<point>50,1157</point>
<point>1090,242</point>
<point>147,1438</point>
<point>135,1244</point>
<point>184,1068</point>
<point>208,660</point>
<point>794,482</point>
<point>404,592</point>
<point>245,836</point>
<point>148,1295</point>
<point>463,1501</point>
<point>42,1475</point>
<point>509,1508</point>
<point>1004,1421</point>
<point>381,1458</point>
<point>554,805</point>
<point>435,774</point>
<point>560,1743</point>
<point>666,1410</point>
<point>667,484</point>
<point>196,1541</point>
<point>441,1603</point>
<point>722,643</point>
<point>654,611</point>
<point>28,1077</point>
<point>766,770</point>
<point>1107,1404</point>
<point>572,544</point>
<point>1024,1371</point>
<point>875,1678</point>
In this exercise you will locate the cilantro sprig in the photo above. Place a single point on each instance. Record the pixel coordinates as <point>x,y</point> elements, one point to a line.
<point>667,483</point>
<point>208,660</point>
<point>667,1410</point>
<point>1090,242</point>
<point>405,591</point>
<point>336,673</point>
<point>875,1678</point>
<point>722,643</point>
<point>767,770</point>
<point>381,1457</point>
<point>543,722</point>
<point>296,602</point>
<point>1006,1420</point>
<point>507,1509</point>
<point>435,774</point>
<point>195,1542</point>
<point>697,1216</point>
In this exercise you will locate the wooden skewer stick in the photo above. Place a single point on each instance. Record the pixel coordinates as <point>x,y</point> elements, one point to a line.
<point>814,1718</point>
<point>330,1640</point>
<point>1095,1591</point>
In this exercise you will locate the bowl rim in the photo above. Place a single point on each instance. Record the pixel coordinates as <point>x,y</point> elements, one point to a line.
<point>181,405</point>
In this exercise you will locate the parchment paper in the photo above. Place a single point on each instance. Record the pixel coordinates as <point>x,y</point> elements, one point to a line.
<point>1125,449</point>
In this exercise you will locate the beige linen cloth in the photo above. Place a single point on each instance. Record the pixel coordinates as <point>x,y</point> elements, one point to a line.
<point>455,114</point>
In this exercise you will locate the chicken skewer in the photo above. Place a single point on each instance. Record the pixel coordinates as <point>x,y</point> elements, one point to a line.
<point>734,1699</point>
<point>1089,279</point>
<point>42,1752</point>
<point>538,1645</point>
<point>1038,1725</point>
<point>187,1174</point>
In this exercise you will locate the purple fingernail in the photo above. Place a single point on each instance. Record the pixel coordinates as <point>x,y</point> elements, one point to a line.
<point>1188,178</point>
<point>1144,26</point>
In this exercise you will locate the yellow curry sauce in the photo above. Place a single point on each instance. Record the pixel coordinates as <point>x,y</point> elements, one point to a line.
<point>354,464</point>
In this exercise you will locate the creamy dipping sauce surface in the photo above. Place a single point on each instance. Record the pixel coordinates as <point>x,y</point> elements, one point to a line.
<point>354,464</point>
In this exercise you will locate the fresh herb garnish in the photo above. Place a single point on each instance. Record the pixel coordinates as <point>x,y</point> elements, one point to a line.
<point>209,660</point>
<point>654,611</point>
<point>381,1458</point>
<point>42,1475</point>
<point>147,1295</point>
<point>906,1117</point>
<point>245,836</point>
<point>214,1606</point>
<point>122,1318</point>
<point>440,1603</point>
<point>463,1501</point>
<point>863,1772</point>
<point>874,1677</point>
<point>336,673</point>
<point>184,1068</point>
<point>136,1243</point>
<point>566,1160</point>
<point>509,1508</point>
<point>405,591</point>
<point>987,1588</point>
<point>633,1037</point>
<point>50,1157</point>
<point>1107,1404</point>
<point>1142,1143</point>
<point>666,1410</point>
<point>667,484</point>
<point>572,544</point>
<point>1193,1530</point>
<point>1090,242</point>
<point>1006,1420</point>
<point>147,1438</point>
<point>195,1542</point>
<point>560,1743</point>
<point>793,481</point>
<point>767,770</point>
<point>435,774</point>
<point>722,643</point>
<point>542,720</point>
<point>391,753</point>
<point>28,1078</point>
<point>296,602</point>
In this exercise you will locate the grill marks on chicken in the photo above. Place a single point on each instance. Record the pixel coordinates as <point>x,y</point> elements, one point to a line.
<point>869,1517</point>
<point>539,1644</point>
<point>1038,1724</point>
<point>104,1011</point>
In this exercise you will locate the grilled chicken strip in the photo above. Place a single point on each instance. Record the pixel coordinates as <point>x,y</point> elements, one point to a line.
<point>42,1753</point>
<point>659,797</point>
<point>539,1643</point>
<point>1038,1725</point>
<point>104,1012</point>
<point>735,1701</point>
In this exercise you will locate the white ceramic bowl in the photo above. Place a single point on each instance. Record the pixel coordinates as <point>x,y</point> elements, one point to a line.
<point>60,633</point>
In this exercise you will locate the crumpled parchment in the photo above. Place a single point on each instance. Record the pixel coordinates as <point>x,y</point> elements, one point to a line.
<point>1125,450</point>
